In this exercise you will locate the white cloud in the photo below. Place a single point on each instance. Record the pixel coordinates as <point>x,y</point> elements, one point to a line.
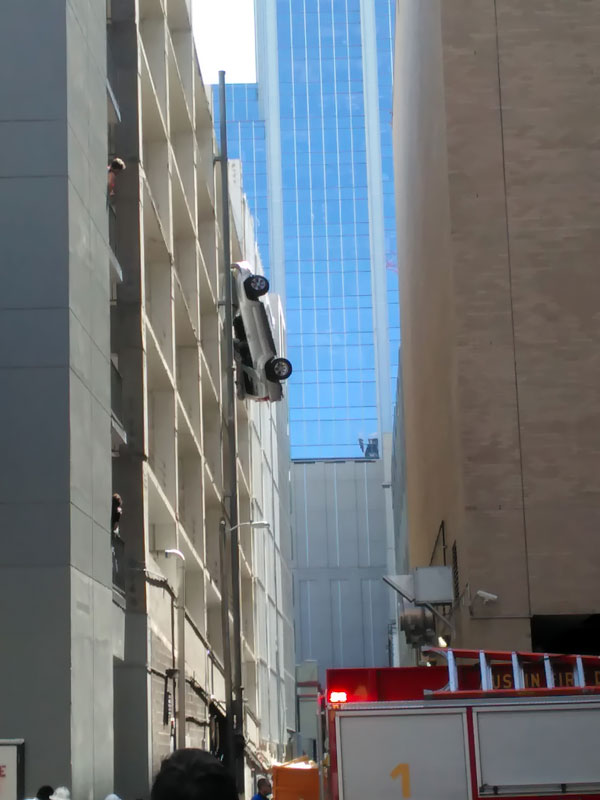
<point>224,34</point>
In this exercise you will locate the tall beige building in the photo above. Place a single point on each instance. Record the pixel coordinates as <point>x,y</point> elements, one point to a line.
<point>170,363</point>
<point>496,120</point>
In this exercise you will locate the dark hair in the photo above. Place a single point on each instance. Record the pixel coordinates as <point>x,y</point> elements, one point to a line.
<point>44,792</point>
<point>193,774</point>
<point>261,783</point>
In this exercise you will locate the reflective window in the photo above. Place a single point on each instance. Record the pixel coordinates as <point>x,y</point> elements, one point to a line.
<point>327,244</point>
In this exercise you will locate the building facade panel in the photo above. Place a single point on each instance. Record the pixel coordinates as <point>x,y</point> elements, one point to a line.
<point>114,382</point>
<point>341,608</point>
<point>511,85</point>
<point>58,550</point>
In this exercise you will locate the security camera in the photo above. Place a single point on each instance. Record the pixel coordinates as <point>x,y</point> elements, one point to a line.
<point>487,597</point>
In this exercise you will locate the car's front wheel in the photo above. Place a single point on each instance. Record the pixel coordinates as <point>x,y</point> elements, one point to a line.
<point>278,369</point>
<point>256,286</point>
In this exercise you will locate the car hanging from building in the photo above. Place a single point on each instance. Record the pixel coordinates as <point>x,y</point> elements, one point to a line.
<point>260,369</point>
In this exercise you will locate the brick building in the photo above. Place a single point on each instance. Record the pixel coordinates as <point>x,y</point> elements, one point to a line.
<point>496,121</point>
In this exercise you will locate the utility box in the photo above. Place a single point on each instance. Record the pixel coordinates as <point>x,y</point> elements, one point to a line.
<point>307,694</point>
<point>433,585</point>
<point>12,769</point>
<point>296,780</point>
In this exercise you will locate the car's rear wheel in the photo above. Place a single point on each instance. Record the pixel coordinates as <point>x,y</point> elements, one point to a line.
<point>256,286</point>
<point>278,369</point>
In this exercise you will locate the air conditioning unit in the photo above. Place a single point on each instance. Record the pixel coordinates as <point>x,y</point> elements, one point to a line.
<point>420,591</point>
<point>418,625</point>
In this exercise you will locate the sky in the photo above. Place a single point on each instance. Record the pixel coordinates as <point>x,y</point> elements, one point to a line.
<point>222,43</point>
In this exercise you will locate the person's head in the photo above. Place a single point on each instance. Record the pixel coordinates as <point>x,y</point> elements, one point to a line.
<point>193,774</point>
<point>117,165</point>
<point>264,786</point>
<point>44,792</point>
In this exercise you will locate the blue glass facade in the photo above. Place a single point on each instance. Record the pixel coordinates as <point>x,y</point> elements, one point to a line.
<point>326,217</point>
<point>246,141</point>
<point>385,23</point>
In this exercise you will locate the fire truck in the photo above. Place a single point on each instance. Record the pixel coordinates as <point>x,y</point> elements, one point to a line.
<point>479,724</point>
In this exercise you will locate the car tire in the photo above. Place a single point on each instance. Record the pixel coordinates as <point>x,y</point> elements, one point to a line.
<point>255,286</point>
<point>278,369</point>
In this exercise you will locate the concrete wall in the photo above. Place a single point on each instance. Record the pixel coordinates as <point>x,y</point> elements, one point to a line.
<point>273,613</point>
<point>403,653</point>
<point>513,84</point>
<point>55,565</point>
<point>547,59</point>
<point>398,470</point>
<point>426,282</point>
<point>339,558</point>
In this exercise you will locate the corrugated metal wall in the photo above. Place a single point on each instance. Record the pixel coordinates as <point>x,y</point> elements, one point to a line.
<point>339,558</point>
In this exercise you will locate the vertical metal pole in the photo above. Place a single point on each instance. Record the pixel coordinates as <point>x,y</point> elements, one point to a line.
<point>237,700</point>
<point>452,671</point>
<point>180,730</point>
<point>181,655</point>
<point>320,749</point>
<point>226,635</point>
<point>280,700</point>
<point>517,667</point>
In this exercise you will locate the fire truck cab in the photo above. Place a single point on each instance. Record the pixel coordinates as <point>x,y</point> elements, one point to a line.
<point>519,725</point>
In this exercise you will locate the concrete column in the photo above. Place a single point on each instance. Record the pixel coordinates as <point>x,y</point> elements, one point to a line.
<point>376,226</point>
<point>55,477</point>
<point>132,719</point>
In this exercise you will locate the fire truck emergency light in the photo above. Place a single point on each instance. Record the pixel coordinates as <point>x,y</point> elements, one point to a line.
<point>338,697</point>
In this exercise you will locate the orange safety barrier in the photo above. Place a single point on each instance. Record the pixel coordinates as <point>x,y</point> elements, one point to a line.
<point>296,780</point>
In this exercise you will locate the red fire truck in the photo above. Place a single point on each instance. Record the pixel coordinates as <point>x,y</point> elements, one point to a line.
<point>482,724</point>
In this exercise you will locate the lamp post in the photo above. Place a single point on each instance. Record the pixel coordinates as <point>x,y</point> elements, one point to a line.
<point>180,646</point>
<point>261,523</point>
<point>231,568</point>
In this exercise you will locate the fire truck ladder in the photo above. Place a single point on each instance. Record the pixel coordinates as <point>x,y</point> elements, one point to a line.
<point>548,664</point>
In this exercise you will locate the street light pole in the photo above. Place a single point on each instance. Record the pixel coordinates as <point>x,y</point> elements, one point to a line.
<point>234,700</point>
<point>180,646</point>
<point>320,747</point>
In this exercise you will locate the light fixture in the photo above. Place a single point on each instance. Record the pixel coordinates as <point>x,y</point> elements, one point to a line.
<point>442,642</point>
<point>259,523</point>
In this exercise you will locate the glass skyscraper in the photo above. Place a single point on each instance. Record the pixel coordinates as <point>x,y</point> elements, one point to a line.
<point>246,141</point>
<point>316,150</point>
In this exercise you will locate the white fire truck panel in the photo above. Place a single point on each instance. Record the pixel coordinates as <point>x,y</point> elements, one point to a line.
<point>532,747</point>
<point>398,753</point>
